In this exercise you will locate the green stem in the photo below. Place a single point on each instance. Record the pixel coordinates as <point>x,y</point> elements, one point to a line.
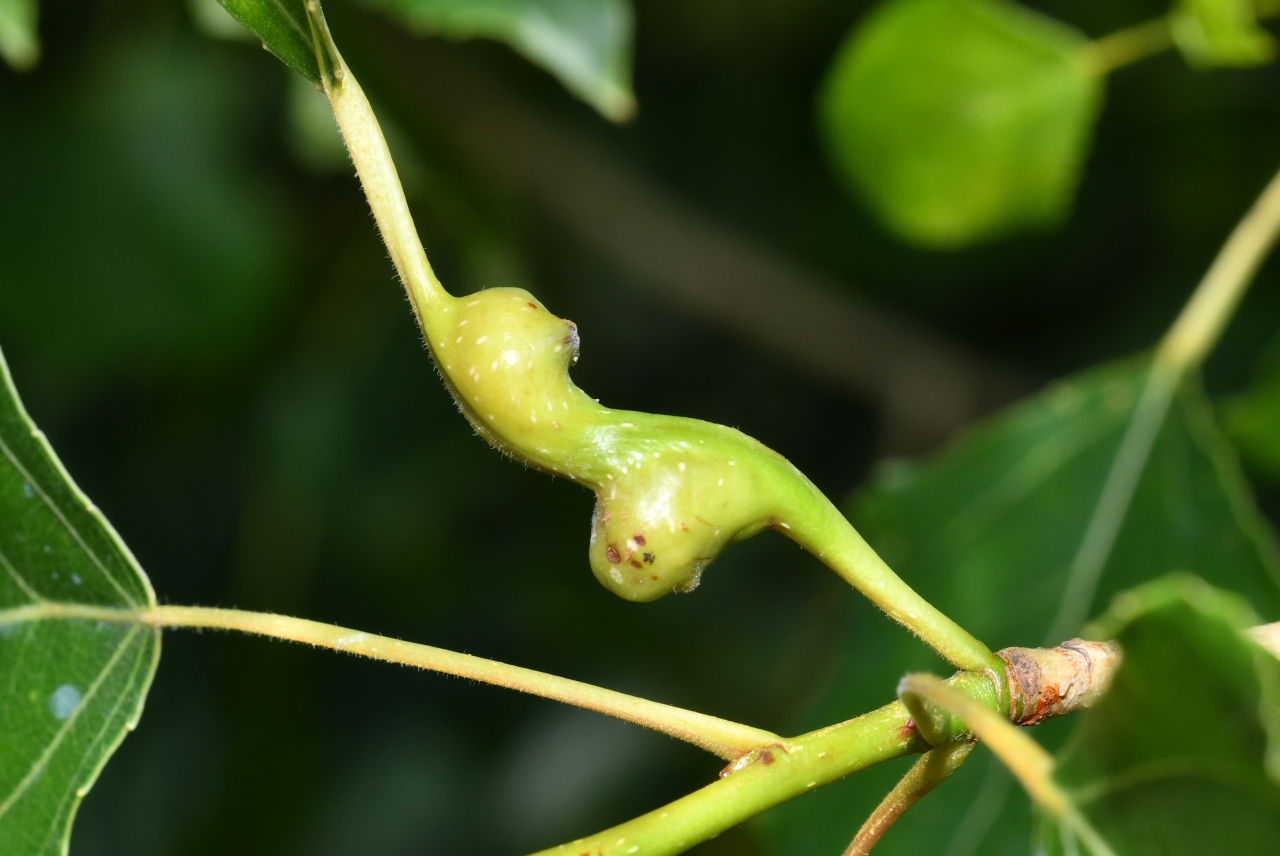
<point>774,774</point>
<point>721,737</point>
<point>377,171</point>
<point>1128,46</point>
<point>1200,325</point>
<point>828,535</point>
<point>594,445</point>
<point>1025,758</point>
<point>933,768</point>
<point>1136,43</point>
<point>1186,345</point>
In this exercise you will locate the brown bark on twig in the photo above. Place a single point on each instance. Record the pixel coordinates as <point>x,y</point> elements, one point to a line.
<point>1045,682</point>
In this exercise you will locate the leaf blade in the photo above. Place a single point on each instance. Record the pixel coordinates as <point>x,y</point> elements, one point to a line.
<point>282,26</point>
<point>1171,760</point>
<point>987,531</point>
<point>960,122</point>
<point>73,689</point>
<point>584,43</point>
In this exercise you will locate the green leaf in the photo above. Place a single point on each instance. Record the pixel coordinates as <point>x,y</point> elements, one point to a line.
<point>1252,419</point>
<point>1174,759</point>
<point>19,41</point>
<point>988,530</point>
<point>960,121</point>
<point>585,43</point>
<point>1253,422</point>
<point>282,26</point>
<point>109,315</point>
<point>1003,513</point>
<point>1221,32</point>
<point>72,688</point>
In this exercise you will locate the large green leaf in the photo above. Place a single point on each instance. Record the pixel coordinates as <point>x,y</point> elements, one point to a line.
<point>1252,419</point>
<point>960,121</point>
<point>1006,509</point>
<point>180,263</point>
<point>1221,32</point>
<point>282,26</point>
<point>585,43</point>
<point>71,688</point>
<point>1174,760</point>
<point>19,42</point>
<point>989,530</point>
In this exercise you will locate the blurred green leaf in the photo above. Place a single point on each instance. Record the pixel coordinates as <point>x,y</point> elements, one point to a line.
<point>282,26</point>
<point>72,688</point>
<point>585,43</point>
<point>988,530</point>
<point>1001,515</point>
<point>1180,755</point>
<point>19,41</point>
<point>1252,419</point>
<point>1006,508</point>
<point>1221,32</point>
<point>139,243</point>
<point>960,121</point>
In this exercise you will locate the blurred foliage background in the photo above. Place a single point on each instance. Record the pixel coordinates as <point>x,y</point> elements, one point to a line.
<point>200,314</point>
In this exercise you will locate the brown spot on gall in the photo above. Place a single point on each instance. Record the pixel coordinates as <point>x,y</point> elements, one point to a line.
<point>639,538</point>
<point>766,757</point>
<point>908,730</point>
<point>636,564</point>
<point>611,553</point>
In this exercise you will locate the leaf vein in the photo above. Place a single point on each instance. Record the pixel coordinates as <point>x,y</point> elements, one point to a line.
<point>62,518</point>
<point>90,753</point>
<point>17,578</point>
<point>47,755</point>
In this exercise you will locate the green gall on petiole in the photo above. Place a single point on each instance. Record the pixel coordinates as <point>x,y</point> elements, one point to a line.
<point>671,492</point>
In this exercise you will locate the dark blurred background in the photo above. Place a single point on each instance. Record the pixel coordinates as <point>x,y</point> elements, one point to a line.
<point>200,314</point>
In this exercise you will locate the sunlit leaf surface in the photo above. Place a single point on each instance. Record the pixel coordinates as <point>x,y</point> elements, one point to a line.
<point>19,41</point>
<point>958,121</point>
<point>988,531</point>
<point>69,690</point>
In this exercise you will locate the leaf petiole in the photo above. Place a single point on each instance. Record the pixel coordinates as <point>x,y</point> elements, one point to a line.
<point>1141,41</point>
<point>1024,757</point>
<point>719,736</point>
<point>933,768</point>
